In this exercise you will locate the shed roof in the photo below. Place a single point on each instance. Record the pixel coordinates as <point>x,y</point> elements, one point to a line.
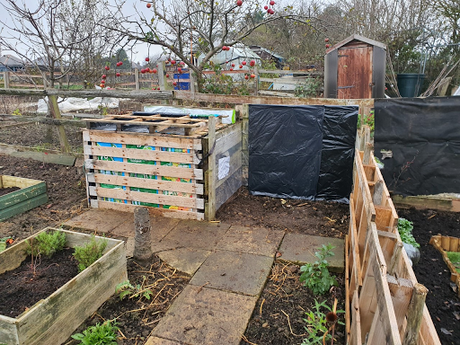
<point>10,61</point>
<point>356,37</point>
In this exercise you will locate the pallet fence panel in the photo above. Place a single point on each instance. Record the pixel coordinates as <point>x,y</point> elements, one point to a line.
<point>381,284</point>
<point>126,169</point>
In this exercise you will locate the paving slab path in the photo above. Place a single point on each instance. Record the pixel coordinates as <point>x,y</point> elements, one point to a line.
<point>229,266</point>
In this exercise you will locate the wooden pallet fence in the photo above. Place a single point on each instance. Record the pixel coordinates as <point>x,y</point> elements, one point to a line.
<point>125,170</point>
<point>181,167</point>
<point>384,300</point>
<point>32,193</point>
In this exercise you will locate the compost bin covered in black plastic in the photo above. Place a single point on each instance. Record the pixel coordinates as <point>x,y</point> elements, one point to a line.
<point>303,152</point>
<point>418,141</point>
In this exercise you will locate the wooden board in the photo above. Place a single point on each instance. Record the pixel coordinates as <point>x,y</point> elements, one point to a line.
<point>54,319</point>
<point>32,194</point>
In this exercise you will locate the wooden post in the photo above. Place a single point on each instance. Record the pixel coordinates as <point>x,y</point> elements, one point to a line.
<point>415,314</point>
<point>210,208</point>
<point>56,113</point>
<point>136,78</point>
<point>6,79</point>
<point>142,237</point>
<point>256,81</point>
<point>397,251</point>
<point>377,198</point>
<point>161,75</point>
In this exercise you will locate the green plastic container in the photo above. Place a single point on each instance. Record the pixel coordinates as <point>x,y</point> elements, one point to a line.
<point>409,84</point>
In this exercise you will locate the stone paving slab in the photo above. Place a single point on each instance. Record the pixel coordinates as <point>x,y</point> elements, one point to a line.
<point>258,241</point>
<point>237,272</point>
<point>196,234</point>
<point>161,341</point>
<point>203,316</point>
<point>186,260</point>
<point>100,220</point>
<point>300,248</point>
<point>161,226</point>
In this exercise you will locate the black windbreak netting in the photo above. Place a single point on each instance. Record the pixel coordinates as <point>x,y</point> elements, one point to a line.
<point>418,141</point>
<point>303,152</point>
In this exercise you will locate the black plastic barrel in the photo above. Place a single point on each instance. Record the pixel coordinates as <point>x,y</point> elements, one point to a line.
<point>409,84</point>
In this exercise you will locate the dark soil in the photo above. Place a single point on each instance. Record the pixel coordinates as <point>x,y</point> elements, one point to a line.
<point>137,316</point>
<point>278,316</point>
<point>66,192</point>
<point>26,285</point>
<point>442,301</point>
<point>4,191</point>
<point>319,218</point>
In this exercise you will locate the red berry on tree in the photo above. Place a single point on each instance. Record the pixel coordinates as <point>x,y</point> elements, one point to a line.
<point>252,63</point>
<point>149,5</point>
<point>246,77</point>
<point>104,76</point>
<point>326,40</point>
<point>328,45</point>
<point>243,63</point>
<point>239,3</point>
<point>107,68</point>
<point>272,2</point>
<point>265,7</point>
<point>147,59</point>
<point>118,74</point>
<point>253,76</point>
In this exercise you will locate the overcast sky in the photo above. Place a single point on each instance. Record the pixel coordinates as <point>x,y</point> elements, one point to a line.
<point>139,52</point>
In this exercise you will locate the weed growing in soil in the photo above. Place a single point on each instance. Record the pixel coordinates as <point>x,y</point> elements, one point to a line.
<point>89,253</point>
<point>405,231</point>
<point>316,276</point>
<point>46,243</point>
<point>127,289</point>
<point>105,334</point>
<point>320,323</point>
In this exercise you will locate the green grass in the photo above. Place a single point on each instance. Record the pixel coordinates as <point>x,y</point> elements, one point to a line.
<point>454,257</point>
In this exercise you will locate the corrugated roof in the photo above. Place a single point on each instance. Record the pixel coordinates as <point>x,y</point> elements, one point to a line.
<point>235,52</point>
<point>356,37</point>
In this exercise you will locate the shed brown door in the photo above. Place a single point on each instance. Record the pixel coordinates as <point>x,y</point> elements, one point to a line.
<point>354,79</point>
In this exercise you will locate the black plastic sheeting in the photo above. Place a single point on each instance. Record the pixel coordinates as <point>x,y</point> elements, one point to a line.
<point>301,152</point>
<point>338,152</point>
<point>423,138</point>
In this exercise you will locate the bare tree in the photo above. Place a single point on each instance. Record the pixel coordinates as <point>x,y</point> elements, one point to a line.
<point>187,27</point>
<point>57,37</point>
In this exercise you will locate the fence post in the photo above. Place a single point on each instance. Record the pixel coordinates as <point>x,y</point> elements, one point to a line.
<point>6,79</point>
<point>161,75</point>
<point>256,79</point>
<point>210,207</point>
<point>136,78</point>
<point>415,314</point>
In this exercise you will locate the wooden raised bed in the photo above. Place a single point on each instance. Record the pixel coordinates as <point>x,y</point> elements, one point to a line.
<point>448,244</point>
<point>32,194</point>
<point>53,320</point>
<point>181,167</point>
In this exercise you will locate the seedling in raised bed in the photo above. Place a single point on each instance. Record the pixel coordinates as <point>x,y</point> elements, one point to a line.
<point>454,258</point>
<point>127,289</point>
<point>319,323</point>
<point>46,243</point>
<point>405,228</point>
<point>105,334</point>
<point>89,253</point>
<point>316,276</point>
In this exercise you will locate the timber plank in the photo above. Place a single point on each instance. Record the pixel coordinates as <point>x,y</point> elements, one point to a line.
<point>127,181</point>
<point>23,206</point>
<point>151,155</point>
<point>148,169</point>
<point>20,182</point>
<point>142,139</point>
<point>12,257</point>
<point>21,195</point>
<point>164,212</point>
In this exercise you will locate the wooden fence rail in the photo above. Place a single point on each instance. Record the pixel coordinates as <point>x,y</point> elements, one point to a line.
<point>385,303</point>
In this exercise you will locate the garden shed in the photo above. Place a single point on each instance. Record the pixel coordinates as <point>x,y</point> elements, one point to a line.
<point>355,69</point>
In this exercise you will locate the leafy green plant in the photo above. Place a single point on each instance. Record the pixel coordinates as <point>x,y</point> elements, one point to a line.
<point>318,323</point>
<point>46,243</point>
<point>127,289</point>
<point>316,276</point>
<point>17,112</point>
<point>89,253</point>
<point>310,88</point>
<point>105,334</point>
<point>405,231</point>
<point>454,257</point>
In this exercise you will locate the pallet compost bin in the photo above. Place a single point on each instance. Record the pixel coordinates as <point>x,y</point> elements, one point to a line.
<point>53,320</point>
<point>181,167</point>
<point>32,193</point>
